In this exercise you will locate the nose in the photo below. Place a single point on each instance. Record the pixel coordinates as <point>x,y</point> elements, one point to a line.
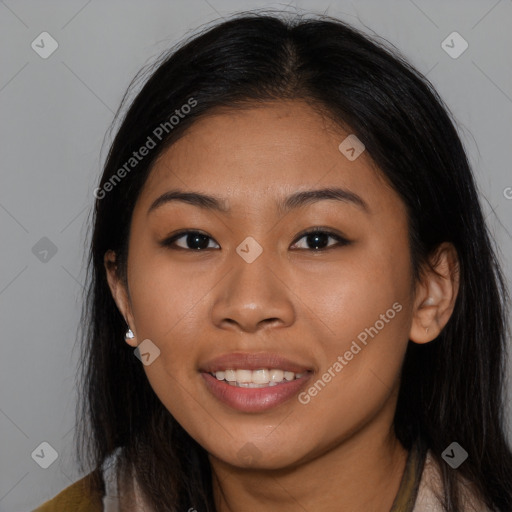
<point>253,296</point>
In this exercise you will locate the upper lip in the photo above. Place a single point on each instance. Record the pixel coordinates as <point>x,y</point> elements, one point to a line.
<point>252,361</point>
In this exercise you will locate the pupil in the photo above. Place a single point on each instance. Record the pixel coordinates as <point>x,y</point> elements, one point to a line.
<point>313,239</point>
<point>202,240</point>
<point>193,238</point>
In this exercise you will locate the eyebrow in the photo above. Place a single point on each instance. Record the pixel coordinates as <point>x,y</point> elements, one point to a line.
<point>296,200</point>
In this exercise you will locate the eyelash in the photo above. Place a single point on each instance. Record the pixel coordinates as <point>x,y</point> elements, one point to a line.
<point>170,242</point>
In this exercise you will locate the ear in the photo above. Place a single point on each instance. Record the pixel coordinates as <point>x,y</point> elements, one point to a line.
<point>435,294</point>
<point>120,293</point>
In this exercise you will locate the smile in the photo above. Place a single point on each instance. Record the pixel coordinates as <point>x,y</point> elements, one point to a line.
<point>260,378</point>
<point>252,397</point>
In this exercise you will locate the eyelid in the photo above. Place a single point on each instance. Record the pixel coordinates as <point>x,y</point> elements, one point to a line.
<point>341,239</point>
<point>321,229</point>
<point>169,242</point>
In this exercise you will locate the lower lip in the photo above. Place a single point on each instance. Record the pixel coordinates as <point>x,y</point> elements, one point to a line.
<point>254,399</point>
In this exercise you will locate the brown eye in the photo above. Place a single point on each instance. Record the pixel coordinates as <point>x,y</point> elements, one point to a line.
<point>193,241</point>
<point>318,238</point>
<point>197,241</point>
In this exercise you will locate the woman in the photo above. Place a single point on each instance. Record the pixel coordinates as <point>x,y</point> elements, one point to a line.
<point>288,237</point>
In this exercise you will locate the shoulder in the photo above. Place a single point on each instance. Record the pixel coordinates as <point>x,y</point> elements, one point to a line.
<point>430,491</point>
<point>78,497</point>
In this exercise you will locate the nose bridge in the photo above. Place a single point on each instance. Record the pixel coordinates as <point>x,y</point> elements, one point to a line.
<point>252,266</point>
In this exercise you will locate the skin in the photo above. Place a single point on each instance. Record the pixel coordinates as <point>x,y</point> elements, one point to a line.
<point>338,452</point>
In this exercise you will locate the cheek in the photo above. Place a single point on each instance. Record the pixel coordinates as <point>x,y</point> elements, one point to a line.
<point>166,296</point>
<point>361,361</point>
<point>360,289</point>
<point>166,303</point>
<point>365,315</point>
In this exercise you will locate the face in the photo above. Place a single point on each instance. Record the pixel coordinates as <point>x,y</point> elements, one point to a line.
<point>254,286</point>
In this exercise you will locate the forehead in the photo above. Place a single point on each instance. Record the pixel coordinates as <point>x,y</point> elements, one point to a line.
<point>251,155</point>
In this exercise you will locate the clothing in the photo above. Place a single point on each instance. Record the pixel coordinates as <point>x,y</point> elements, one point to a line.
<point>417,491</point>
<point>75,498</point>
<point>430,487</point>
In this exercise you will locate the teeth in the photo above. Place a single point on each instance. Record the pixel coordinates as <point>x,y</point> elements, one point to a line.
<point>260,376</point>
<point>244,376</point>
<point>276,375</point>
<point>230,375</point>
<point>256,378</point>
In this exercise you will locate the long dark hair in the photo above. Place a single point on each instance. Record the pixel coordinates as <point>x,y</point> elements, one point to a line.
<point>451,388</point>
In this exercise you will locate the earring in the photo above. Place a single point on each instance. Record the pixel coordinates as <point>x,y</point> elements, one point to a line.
<point>129,335</point>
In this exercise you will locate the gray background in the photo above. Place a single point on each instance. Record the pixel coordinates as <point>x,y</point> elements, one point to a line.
<point>54,115</point>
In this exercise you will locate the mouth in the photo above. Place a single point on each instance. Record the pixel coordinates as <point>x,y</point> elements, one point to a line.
<point>254,382</point>
<point>261,378</point>
<point>250,397</point>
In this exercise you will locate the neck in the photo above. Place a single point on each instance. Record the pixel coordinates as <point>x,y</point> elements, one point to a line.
<point>360,473</point>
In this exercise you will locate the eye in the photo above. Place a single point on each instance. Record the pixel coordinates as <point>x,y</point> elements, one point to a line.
<point>194,241</point>
<point>197,241</point>
<point>320,236</point>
